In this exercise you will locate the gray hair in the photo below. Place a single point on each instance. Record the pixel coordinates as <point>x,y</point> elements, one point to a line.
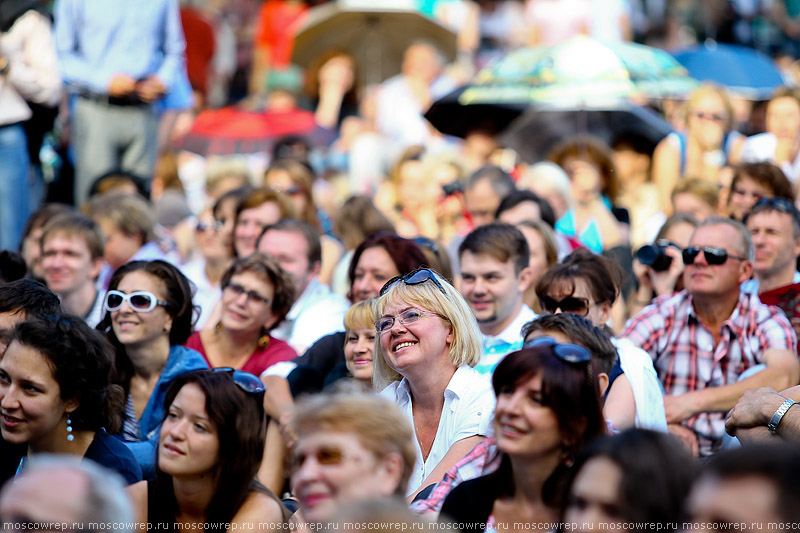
<point>745,240</point>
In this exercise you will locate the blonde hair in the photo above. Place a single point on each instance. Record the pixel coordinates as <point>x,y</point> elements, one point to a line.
<point>378,424</point>
<point>466,347</point>
<point>360,315</point>
<point>708,89</point>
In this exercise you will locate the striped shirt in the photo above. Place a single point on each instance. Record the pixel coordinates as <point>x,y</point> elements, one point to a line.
<point>687,360</point>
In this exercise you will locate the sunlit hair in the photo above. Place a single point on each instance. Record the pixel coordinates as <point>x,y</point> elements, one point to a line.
<point>548,238</point>
<point>129,213</point>
<point>378,424</point>
<point>602,276</point>
<point>766,174</point>
<point>503,242</point>
<point>703,189</point>
<point>466,348</point>
<point>78,226</point>
<point>240,425</point>
<point>707,89</point>
<point>361,315</point>
<point>745,245</point>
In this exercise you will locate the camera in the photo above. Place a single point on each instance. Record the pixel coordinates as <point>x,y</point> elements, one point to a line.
<point>655,255</point>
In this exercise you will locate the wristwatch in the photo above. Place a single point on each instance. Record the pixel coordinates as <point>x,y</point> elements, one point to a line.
<point>778,416</point>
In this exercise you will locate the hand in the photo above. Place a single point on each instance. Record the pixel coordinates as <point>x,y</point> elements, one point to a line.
<point>686,436</point>
<point>150,89</point>
<point>664,282</point>
<point>753,409</point>
<point>121,85</point>
<point>287,431</point>
<point>679,408</point>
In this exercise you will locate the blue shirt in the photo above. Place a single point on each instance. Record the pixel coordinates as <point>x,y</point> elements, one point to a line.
<point>99,38</point>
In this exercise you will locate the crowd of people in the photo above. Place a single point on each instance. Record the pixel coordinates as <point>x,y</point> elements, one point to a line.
<point>369,321</point>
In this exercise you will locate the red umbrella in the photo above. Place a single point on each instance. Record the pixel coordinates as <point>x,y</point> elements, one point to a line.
<point>233,131</point>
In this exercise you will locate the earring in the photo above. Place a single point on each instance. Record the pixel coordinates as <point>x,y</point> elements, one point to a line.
<point>70,436</point>
<point>263,341</point>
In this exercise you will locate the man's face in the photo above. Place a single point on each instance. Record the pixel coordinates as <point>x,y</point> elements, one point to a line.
<point>56,496</point>
<point>481,203</point>
<point>703,279</point>
<point>773,240</point>
<point>67,263</point>
<point>290,249</point>
<point>743,500</point>
<point>492,289</point>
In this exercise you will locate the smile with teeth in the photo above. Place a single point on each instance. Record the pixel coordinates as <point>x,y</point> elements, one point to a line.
<point>404,345</point>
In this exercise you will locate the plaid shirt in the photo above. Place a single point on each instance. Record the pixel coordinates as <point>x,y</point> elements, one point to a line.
<point>483,459</point>
<point>686,359</point>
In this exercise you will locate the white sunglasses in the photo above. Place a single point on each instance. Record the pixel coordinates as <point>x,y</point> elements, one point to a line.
<point>139,301</point>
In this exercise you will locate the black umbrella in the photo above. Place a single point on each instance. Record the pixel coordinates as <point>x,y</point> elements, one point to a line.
<point>540,128</point>
<point>452,117</point>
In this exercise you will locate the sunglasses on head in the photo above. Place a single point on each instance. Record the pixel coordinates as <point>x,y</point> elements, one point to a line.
<point>415,277</point>
<point>244,380</point>
<point>574,305</point>
<point>139,301</point>
<point>781,205</point>
<point>569,353</point>
<point>712,254</point>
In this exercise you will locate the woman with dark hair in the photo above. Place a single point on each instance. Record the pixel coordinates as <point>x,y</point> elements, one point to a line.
<point>548,408</point>
<point>149,316</point>
<point>56,395</point>
<point>587,285</point>
<point>754,181</point>
<point>256,296</point>
<point>210,446</point>
<point>637,476</point>
<point>256,211</point>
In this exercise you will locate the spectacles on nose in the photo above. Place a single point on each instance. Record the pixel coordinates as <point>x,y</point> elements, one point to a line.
<point>571,304</point>
<point>244,380</point>
<point>327,455</point>
<point>214,225</point>
<point>237,290</point>
<point>713,255</point>
<point>409,316</point>
<point>716,117</point>
<point>139,301</point>
<point>415,277</point>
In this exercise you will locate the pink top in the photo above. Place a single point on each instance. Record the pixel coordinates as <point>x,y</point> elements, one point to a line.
<point>275,352</point>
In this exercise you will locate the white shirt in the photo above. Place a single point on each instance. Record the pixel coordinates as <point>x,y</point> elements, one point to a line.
<point>762,147</point>
<point>468,408</point>
<point>206,295</point>
<point>496,347</point>
<point>638,368</point>
<point>316,313</point>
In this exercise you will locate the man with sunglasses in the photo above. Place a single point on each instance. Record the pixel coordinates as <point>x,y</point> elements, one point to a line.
<point>704,338</point>
<point>494,276</point>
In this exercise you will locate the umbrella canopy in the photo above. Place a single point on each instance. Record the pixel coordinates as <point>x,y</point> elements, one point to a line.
<point>579,73</point>
<point>742,70</point>
<point>539,129</point>
<point>375,33</point>
<point>233,131</point>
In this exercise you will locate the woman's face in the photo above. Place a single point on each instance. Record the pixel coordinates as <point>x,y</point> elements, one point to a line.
<point>744,195</point>
<point>598,313</point>
<point>137,329</point>
<point>249,225</point>
<point>375,267</point>
<point>280,180</point>
<point>334,468</point>
<point>226,214</point>
<point>708,121</point>
<point>538,258</point>
<point>211,239</point>
<point>594,496</point>
<point>30,399</point>
<point>358,349</point>
<point>189,444</point>
<point>242,312</point>
<point>523,425</point>
<point>783,118</point>
<point>423,343</point>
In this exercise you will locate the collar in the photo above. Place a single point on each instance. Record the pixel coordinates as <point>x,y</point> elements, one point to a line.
<point>513,332</point>
<point>734,321</point>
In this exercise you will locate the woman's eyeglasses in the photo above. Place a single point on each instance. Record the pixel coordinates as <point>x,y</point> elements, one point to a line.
<point>326,455</point>
<point>712,254</point>
<point>569,353</point>
<point>409,316</point>
<point>415,277</point>
<point>716,117</point>
<point>574,305</point>
<point>139,301</point>
<point>244,380</point>
<point>237,290</point>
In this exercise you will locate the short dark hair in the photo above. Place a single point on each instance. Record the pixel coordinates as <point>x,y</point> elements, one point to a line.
<point>518,196</point>
<point>766,174</point>
<point>777,205</point>
<point>12,266</point>
<point>29,296</point>
<point>501,181</point>
<point>778,463</point>
<point>82,363</point>
<point>405,253</point>
<point>579,331</point>
<point>302,228</point>
<point>270,271</point>
<point>503,242</point>
<point>602,276</point>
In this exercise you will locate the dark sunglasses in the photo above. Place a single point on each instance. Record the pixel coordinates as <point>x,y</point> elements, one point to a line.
<point>569,353</point>
<point>139,301</point>
<point>244,380</point>
<point>415,277</point>
<point>713,255</point>
<point>327,455</point>
<point>574,305</point>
